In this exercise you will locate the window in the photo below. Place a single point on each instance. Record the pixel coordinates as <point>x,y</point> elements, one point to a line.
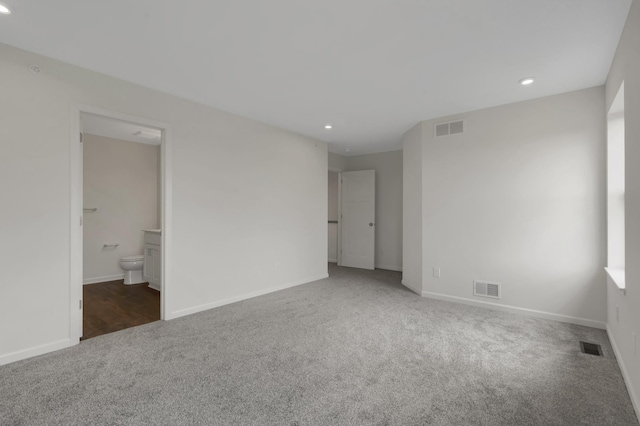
<point>615,190</point>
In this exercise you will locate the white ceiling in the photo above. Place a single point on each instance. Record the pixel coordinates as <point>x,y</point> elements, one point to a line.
<point>371,68</point>
<point>116,129</point>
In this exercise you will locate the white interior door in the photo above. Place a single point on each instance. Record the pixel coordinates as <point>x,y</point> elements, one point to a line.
<point>358,219</point>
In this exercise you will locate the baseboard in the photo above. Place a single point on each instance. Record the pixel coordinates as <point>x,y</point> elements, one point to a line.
<point>97,280</point>
<point>411,287</point>
<point>207,306</point>
<point>625,373</point>
<point>389,268</point>
<point>35,351</point>
<point>514,309</point>
<point>154,286</point>
<point>332,260</point>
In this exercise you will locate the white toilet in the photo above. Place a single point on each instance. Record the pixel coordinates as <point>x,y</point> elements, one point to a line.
<point>132,266</point>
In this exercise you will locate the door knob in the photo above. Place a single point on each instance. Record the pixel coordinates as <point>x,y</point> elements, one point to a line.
<point>370,223</point>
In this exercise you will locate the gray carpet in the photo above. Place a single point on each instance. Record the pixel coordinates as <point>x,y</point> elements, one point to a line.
<point>354,349</point>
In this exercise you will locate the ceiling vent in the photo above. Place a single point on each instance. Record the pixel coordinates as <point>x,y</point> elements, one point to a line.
<point>486,289</point>
<point>449,128</point>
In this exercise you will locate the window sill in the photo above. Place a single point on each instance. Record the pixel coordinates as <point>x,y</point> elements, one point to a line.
<point>617,276</point>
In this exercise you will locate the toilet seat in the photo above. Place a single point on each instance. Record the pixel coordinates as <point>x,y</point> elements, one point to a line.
<point>135,258</point>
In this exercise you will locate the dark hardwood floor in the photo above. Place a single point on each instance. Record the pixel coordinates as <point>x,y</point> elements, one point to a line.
<point>113,306</point>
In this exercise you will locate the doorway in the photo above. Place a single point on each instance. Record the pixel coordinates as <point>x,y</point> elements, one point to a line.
<point>120,192</point>
<point>357,215</point>
<point>351,218</point>
<point>333,215</point>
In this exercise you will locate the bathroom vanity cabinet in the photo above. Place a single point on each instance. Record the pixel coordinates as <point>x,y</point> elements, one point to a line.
<point>152,270</point>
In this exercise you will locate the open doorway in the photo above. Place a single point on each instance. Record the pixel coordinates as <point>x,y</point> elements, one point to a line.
<point>121,196</point>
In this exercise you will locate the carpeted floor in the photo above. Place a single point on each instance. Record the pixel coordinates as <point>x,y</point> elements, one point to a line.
<point>354,349</point>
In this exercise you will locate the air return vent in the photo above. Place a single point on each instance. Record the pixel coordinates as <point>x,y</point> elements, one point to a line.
<point>486,289</point>
<point>449,128</point>
<point>590,348</point>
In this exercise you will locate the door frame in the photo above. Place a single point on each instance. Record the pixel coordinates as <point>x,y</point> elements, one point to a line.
<point>339,237</point>
<point>76,206</point>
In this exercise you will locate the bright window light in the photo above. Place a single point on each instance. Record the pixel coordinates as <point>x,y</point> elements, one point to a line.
<point>616,189</point>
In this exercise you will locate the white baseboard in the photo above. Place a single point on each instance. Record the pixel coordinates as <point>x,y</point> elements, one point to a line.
<point>218,303</point>
<point>411,287</point>
<point>35,351</point>
<point>332,260</point>
<point>97,280</point>
<point>154,286</point>
<point>514,309</point>
<point>625,373</point>
<point>389,268</point>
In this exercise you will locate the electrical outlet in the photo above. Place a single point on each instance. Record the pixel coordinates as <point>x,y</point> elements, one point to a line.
<point>436,272</point>
<point>617,313</point>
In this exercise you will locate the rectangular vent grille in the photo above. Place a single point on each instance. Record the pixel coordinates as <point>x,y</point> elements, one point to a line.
<point>449,128</point>
<point>486,289</point>
<point>442,129</point>
<point>590,348</point>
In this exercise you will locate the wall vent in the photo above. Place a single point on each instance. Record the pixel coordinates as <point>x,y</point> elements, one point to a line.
<point>449,128</point>
<point>486,289</point>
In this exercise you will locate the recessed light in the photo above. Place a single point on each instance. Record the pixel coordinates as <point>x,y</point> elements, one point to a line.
<point>527,81</point>
<point>4,9</point>
<point>34,69</point>
<point>328,127</point>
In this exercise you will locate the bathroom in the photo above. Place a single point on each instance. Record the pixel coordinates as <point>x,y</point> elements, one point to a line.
<point>121,224</point>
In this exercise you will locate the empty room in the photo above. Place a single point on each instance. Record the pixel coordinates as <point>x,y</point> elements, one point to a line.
<point>336,213</point>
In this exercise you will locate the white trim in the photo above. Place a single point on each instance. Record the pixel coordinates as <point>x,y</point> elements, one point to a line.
<point>35,351</point>
<point>339,237</point>
<point>618,278</point>
<point>75,231</point>
<point>218,303</point>
<point>104,279</point>
<point>516,310</point>
<point>389,268</point>
<point>75,282</point>
<point>411,287</point>
<point>166,220</point>
<point>332,260</point>
<point>625,374</point>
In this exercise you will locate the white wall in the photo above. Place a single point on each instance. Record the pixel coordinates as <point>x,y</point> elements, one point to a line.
<point>519,199</point>
<point>121,181</point>
<point>388,167</point>
<point>333,216</point>
<point>626,67</point>
<point>412,208</point>
<point>337,162</point>
<point>249,200</point>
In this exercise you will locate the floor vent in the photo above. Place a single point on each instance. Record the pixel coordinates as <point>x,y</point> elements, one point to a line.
<point>590,348</point>
<point>449,128</point>
<point>486,289</point>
